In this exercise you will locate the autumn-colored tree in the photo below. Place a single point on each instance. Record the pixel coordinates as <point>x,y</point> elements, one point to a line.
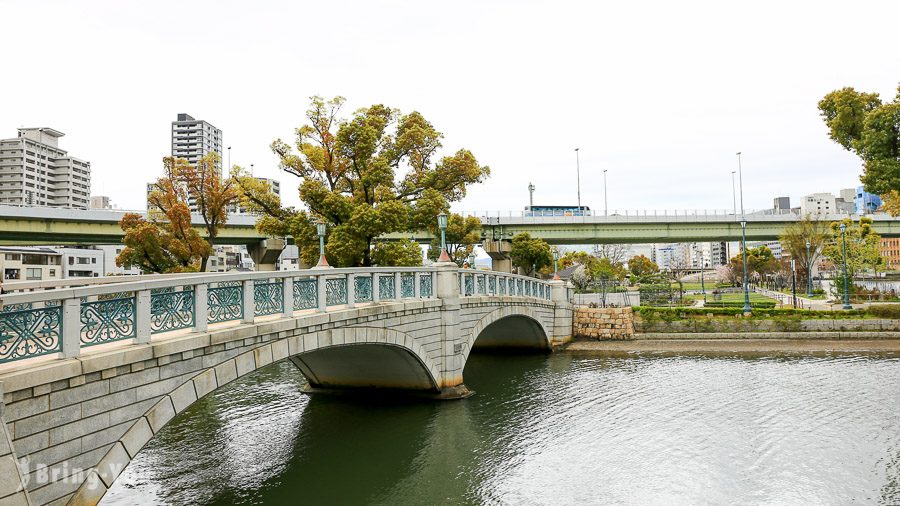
<point>863,124</point>
<point>462,235</point>
<point>404,252</point>
<point>530,254</point>
<point>376,173</point>
<point>642,267</point>
<point>211,194</point>
<point>794,240</point>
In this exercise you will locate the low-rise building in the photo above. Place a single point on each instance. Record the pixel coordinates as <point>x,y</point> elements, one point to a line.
<point>30,264</point>
<point>81,263</point>
<point>865,202</point>
<point>890,251</point>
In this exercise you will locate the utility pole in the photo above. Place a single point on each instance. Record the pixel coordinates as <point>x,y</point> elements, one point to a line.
<point>530,197</point>
<point>605,208</point>
<point>747,308</point>
<point>733,194</point>
<point>578,176</point>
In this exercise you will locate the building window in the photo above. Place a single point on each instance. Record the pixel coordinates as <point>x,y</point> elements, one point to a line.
<point>32,273</point>
<point>14,257</point>
<point>11,274</point>
<point>52,273</point>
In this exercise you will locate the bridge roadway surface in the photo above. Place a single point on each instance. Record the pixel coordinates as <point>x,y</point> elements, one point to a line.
<point>37,225</point>
<point>90,373</point>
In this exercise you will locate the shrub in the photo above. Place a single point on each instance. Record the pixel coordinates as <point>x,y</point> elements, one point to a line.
<point>884,310</point>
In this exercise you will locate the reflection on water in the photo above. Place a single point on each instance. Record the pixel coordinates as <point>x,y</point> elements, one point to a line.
<point>546,429</point>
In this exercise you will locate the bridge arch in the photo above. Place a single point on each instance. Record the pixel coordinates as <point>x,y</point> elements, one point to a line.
<point>508,327</point>
<point>327,359</point>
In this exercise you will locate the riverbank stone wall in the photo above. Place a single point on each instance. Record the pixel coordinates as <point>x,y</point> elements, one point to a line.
<point>603,323</point>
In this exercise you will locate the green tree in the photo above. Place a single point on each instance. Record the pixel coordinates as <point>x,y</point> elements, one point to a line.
<point>530,254</point>
<point>863,246</point>
<point>642,267</point>
<point>863,124</point>
<point>462,235</point>
<point>404,252</point>
<point>378,172</point>
<point>793,240</point>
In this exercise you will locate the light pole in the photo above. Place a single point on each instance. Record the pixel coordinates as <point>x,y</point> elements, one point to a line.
<point>794,282</point>
<point>604,193</point>
<point>808,271</point>
<point>442,224</point>
<point>747,307</point>
<point>733,194</point>
<point>702,284</point>
<point>531,197</point>
<point>229,159</point>
<point>320,230</point>
<point>846,283</point>
<point>555,264</point>
<point>578,176</point>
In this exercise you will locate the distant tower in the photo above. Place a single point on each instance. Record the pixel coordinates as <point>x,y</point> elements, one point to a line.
<point>192,139</point>
<point>530,195</point>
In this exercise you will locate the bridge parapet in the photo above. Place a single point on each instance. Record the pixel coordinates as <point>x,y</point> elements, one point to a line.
<point>63,321</point>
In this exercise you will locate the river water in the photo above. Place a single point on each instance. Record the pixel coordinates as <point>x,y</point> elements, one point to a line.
<point>546,429</point>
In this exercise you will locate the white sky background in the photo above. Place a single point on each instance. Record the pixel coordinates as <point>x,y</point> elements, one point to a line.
<point>662,94</point>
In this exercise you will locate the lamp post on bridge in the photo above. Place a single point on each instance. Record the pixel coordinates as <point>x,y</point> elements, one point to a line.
<point>442,224</point>
<point>846,283</point>
<point>320,231</point>
<point>556,265</point>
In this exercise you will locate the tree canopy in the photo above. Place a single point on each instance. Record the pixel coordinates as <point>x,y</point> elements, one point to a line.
<point>863,246</point>
<point>378,172</point>
<point>166,241</point>
<point>530,254</point>
<point>642,267</point>
<point>862,123</point>
<point>794,239</point>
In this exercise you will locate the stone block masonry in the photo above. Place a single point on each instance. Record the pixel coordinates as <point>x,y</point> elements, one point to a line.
<point>603,323</point>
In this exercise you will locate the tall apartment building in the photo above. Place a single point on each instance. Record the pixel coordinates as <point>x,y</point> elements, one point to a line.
<point>34,171</point>
<point>192,139</point>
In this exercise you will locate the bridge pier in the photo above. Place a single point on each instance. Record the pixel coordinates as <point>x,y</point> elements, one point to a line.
<point>265,253</point>
<point>498,250</point>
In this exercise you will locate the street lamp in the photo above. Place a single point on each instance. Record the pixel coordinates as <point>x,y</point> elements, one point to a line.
<point>794,282</point>
<point>556,264</point>
<point>808,271</point>
<point>320,230</point>
<point>846,288</point>
<point>747,307</point>
<point>442,224</point>
<point>578,176</point>
<point>733,193</point>
<point>702,284</point>
<point>472,260</point>
<point>605,209</point>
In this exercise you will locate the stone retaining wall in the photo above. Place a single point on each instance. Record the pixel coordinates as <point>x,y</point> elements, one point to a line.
<point>603,323</point>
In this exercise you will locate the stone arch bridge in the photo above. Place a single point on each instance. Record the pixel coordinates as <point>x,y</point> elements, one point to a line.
<point>90,373</point>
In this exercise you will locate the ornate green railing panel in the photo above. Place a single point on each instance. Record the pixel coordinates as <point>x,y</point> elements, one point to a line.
<point>167,289</point>
<point>15,307</point>
<point>268,298</point>
<point>481,287</point>
<point>426,285</point>
<point>468,284</point>
<point>502,288</point>
<point>407,285</point>
<point>385,287</point>
<point>492,285</point>
<point>335,291</point>
<point>225,303</point>
<point>306,294</point>
<point>520,290</point>
<point>170,310</point>
<point>362,287</point>
<point>113,296</point>
<point>30,333</point>
<point>108,320</point>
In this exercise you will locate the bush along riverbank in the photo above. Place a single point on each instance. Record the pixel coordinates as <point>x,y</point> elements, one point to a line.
<point>618,324</point>
<point>650,320</point>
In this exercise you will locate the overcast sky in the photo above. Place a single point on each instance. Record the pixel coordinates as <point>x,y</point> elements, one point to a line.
<point>661,94</point>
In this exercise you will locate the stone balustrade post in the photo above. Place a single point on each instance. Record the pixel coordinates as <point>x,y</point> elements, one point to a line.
<point>71,327</point>
<point>561,295</point>
<point>142,316</point>
<point>321,293</point>
<point>249,302</point>
<point>351,290</point>
<point>398,287</point>
<point>447,288</point>
<point>201,307</point>
<point>287,296</point>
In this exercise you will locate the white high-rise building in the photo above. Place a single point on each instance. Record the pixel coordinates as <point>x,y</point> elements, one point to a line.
<point>193,139</point>
<point>34,171</point>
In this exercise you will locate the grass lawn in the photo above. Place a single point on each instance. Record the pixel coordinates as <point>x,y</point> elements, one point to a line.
<point>710,286</point>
